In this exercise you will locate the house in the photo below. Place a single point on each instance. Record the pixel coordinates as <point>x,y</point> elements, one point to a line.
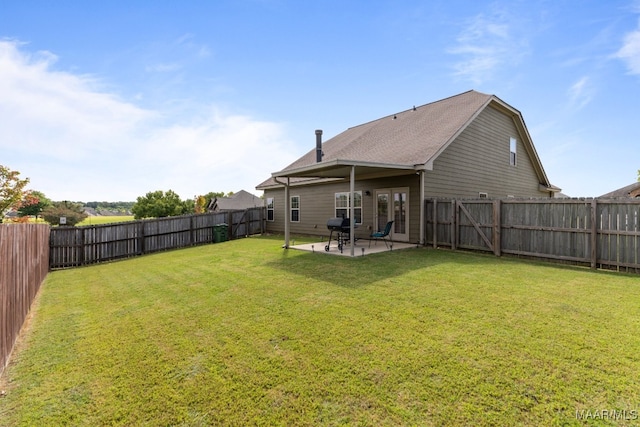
<point>630,191</point>
<point>238,201</point>
<point>471,145</point>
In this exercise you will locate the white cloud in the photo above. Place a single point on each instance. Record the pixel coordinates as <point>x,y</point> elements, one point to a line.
<point>163,68</point>
<point>580,93</point>
<point>485,44</point>
<point>630,51</point>
<point>78,142</point>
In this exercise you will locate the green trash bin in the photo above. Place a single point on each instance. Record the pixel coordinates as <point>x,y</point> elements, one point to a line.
<point>220,232</point>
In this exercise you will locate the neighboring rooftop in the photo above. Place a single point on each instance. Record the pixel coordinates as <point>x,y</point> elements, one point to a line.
<point>630,191</point>
<point>238,201</point>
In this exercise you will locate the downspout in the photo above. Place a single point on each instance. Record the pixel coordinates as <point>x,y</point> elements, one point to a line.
<point>286,215</point>
<point>352,213</point>
<point>286,212</point>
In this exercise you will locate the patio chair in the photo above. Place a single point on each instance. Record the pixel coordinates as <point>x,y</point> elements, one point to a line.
<point>383,234</point>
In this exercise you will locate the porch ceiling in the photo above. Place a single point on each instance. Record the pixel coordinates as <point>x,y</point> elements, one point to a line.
<point>342,169</point>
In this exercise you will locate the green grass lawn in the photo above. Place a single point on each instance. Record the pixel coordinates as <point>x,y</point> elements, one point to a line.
<point>246,333</point>
<point>98,220</point>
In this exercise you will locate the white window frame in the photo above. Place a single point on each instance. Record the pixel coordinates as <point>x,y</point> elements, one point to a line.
<point>513,154</point>
<point>270,209</point>
<point>343,207</point>
<point>295,207</point>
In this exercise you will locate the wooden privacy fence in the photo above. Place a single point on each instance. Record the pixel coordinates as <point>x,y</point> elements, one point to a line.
<point>77,246</point>
<point>24,263</point>
<point>599,233</point>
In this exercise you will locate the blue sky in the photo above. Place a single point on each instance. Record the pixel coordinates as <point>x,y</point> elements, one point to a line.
<point>108,100</point>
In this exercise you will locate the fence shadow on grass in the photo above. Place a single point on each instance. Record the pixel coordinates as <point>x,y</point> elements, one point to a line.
<point>362,271</point>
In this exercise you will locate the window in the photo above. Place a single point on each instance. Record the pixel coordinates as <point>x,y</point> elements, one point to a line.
<point>270,209</point>
<point>343,206</point>
<point>295,208</point>
<point>512,151</point>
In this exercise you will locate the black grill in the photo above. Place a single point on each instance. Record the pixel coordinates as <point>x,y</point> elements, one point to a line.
<point>342,228</point>
<point>338,224</point>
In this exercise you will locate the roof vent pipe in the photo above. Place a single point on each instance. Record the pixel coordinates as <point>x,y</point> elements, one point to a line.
<point>319,153</point>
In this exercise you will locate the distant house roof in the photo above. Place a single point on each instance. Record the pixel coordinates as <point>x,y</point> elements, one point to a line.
<point>630,191</point>
<point>406,140</point>
<point>238,201</point>
<point>561,195</point>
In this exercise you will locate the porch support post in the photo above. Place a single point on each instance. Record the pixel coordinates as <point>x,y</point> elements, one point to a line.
<point>422,209</point>
<point>352,212</point>
<point>286,215</point>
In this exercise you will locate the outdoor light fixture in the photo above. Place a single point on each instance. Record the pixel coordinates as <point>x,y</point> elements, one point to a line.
<point>367,193</point>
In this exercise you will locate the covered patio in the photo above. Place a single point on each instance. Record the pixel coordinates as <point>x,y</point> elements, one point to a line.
<point>348,169</point>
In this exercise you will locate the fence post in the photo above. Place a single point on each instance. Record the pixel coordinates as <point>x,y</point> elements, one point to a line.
<point>497,225</point>
<point>141,237</point>
<point>435,223</point>
<point>192,237</point>
<point>82,240</point>
<point>455,219</point>
<point>594,233</point>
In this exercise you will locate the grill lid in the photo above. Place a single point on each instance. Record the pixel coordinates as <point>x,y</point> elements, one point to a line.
<point>337,223</point>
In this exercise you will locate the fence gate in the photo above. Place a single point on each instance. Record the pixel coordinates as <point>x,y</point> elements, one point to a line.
<point>478,225</point>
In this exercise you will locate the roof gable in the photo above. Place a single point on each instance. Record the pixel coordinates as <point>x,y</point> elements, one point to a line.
<point>413,137</point>
<point>410,137</point>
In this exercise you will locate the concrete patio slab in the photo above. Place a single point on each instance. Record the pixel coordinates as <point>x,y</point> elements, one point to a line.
<point>361,247</point>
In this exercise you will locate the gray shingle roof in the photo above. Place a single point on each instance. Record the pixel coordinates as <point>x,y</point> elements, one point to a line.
<point>632,190</point>
<point>412,137</point>
<point>238,201</point>
<point>409,137</point>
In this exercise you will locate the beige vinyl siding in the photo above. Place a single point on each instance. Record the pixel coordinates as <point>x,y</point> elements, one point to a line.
<point>478,161</point>
<point>318,205</point>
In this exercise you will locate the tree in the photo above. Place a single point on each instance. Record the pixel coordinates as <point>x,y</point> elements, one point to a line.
<point>32,204</point>
<point>158,204</point>
<point>72,212</point>
<point>200,204</point>
<point>11,189</point>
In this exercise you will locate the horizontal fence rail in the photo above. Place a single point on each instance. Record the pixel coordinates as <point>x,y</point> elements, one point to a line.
<point>600,233</point>
<point>24,256</point>
<point>78,246</point>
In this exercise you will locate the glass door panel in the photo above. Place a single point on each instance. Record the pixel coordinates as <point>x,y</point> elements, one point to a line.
<point>382,211</point>
<point>393,205</point>
<point>400,212</point>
